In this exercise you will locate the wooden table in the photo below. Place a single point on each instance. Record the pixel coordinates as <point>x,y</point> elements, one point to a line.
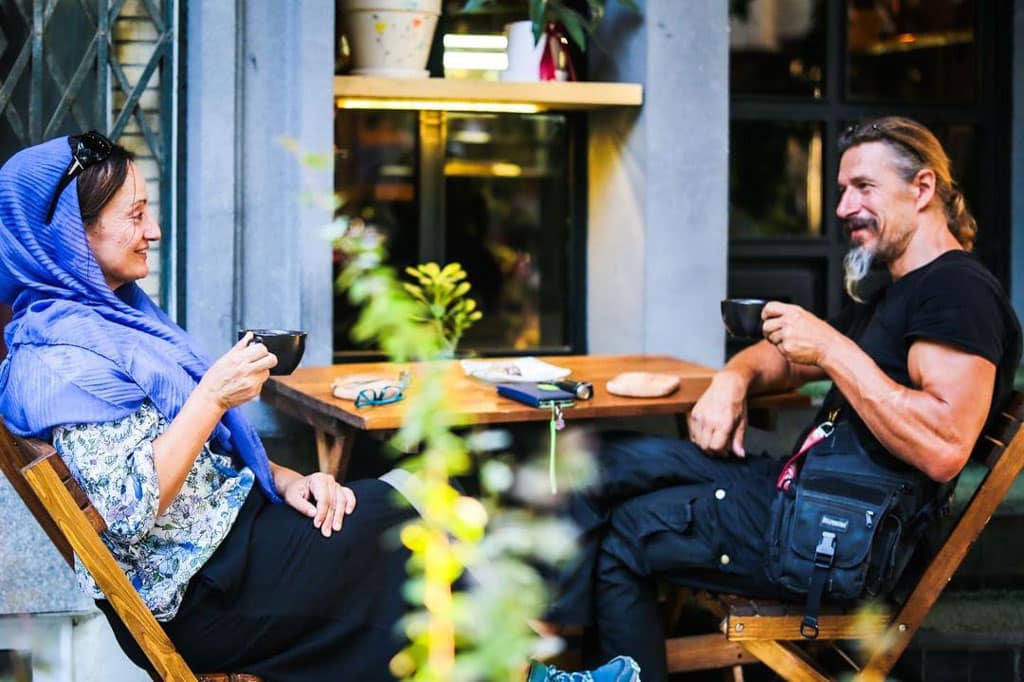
<point>306,396</point>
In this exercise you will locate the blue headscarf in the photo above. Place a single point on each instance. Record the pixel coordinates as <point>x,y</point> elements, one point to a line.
<point>78,352</point>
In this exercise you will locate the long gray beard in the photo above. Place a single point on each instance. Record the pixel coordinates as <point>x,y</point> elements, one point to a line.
<point>856,265</point>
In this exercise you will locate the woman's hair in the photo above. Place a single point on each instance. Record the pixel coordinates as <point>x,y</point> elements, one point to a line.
<point>914,148</point>
<point>98,183</point>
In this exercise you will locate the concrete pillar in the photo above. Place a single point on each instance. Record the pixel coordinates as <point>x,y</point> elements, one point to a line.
<point>658,225</point>
<point>257,73</point>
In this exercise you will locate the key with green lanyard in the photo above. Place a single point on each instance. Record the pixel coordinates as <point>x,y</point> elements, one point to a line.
<point>543,395</point>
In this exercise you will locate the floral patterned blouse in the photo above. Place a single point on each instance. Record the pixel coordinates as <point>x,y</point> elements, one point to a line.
<point>113,462</point>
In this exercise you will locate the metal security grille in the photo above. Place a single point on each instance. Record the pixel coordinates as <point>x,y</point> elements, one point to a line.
<point>111,65</point>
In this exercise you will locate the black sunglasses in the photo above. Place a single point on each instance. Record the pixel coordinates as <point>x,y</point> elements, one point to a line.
<point>87,149</point>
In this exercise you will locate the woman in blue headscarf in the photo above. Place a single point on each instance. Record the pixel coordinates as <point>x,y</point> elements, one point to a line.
<point>149,427</point>
<point>239,558</point>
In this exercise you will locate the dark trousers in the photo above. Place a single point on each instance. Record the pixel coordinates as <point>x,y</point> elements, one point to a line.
<point>662,510</point>
<point>279,600</point>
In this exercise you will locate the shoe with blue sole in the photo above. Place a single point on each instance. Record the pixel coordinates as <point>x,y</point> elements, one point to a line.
<point>619,669</point>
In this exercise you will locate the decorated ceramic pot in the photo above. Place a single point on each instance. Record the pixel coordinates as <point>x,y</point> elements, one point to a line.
<point>389,37</point>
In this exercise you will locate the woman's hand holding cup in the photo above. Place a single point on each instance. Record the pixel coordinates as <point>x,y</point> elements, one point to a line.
<point>238,376</point>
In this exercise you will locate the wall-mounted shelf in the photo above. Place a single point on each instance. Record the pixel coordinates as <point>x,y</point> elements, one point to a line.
<point>446,94</point>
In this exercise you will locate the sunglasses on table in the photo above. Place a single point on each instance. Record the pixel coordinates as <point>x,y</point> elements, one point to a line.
<point>87,149</point>
<point>384,396</point>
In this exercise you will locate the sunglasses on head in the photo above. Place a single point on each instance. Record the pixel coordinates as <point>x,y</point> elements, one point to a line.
<point>87,149</point>
<point>873,132</point>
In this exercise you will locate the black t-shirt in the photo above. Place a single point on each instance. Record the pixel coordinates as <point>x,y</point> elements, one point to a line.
<point>952,300</point>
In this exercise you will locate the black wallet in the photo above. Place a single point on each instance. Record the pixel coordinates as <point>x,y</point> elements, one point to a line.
<point>536,394</point>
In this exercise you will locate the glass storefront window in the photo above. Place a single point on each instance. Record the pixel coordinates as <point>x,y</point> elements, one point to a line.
<point>777,47</point>
<point>775,179</point>
<point>507,199</point>
<point>911,50</point>
<point>376,177</point>
<point>506,194</point>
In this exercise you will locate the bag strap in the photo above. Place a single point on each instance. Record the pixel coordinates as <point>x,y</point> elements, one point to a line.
<point>824,555</point>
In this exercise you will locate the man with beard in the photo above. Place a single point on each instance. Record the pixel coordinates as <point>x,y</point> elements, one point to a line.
<point>917,371</point>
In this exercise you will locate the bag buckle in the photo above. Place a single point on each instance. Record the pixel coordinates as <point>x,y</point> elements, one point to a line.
<point>809,627</point>
<point>825,552</point>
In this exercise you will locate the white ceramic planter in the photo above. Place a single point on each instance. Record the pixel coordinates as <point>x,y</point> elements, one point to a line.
<point>389,37</point>
<point>523,54</point>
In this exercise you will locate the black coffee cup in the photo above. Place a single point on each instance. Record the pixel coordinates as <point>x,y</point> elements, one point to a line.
<point>742,317</point>
<point>287,345</point>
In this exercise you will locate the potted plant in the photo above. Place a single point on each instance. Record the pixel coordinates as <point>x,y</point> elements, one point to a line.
<point>389,37</point>
<point>557,21</point>
<point>441,293</point>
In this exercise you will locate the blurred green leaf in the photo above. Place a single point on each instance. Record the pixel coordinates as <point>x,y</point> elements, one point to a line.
<point>573,22</point>
<point>537,18</point>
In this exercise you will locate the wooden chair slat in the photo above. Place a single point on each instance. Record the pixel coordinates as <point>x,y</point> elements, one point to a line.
<point>62,508</point>
<point>687,654</point>
<point>59,467</point>
<point>80,498</point>
<point>94,518</point>
<point>108,575</point>
<point>787,627</point>
<point>49,455</point>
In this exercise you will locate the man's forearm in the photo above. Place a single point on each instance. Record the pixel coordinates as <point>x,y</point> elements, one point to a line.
<point>764,369</point>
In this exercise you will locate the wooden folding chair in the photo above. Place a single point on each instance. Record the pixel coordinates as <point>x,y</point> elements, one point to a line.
<point>60,506</point>
<point>769,632</point>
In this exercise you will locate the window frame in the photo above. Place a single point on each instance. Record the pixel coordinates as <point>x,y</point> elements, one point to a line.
<point>989,115</point>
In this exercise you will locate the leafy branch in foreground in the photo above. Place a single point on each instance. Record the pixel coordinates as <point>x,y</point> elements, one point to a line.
<point>480,632</point>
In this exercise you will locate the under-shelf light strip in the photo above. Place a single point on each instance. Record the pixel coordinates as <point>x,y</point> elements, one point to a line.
<point>436,105</point>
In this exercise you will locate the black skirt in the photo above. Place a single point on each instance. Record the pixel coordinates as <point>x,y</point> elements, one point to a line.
<point>279,600</point>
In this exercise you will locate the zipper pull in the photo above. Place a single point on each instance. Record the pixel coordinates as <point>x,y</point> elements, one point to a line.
<point>869,518</point>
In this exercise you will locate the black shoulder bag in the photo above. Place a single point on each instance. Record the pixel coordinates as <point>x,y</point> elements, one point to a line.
<point>844,527</point>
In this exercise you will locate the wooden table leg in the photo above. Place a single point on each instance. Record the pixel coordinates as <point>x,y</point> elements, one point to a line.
<point>333,452</point>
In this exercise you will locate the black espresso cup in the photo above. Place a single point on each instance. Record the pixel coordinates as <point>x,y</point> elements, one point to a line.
<point>742,317</point>
<point>287,345</point>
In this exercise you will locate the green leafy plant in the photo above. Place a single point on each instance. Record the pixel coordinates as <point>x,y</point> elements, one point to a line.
<point>441,293</point>
<point>482,631</point>
<point>578,25</point>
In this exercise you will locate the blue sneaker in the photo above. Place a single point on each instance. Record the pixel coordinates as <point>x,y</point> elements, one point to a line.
<point>619,669</point>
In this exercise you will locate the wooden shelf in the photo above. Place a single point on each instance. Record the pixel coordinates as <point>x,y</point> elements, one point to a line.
<point>363,92</point>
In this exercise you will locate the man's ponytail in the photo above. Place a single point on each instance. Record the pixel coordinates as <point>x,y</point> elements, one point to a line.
<point>961,222</point>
